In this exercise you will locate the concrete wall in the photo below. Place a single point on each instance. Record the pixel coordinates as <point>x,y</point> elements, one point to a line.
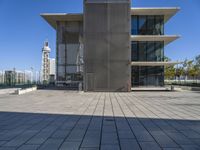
<point>107,51</point>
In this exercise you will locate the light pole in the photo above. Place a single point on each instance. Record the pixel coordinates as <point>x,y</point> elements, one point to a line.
<point>31,75</point>
<point>14,76</point>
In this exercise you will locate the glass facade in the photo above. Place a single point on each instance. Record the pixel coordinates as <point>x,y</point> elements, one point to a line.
<point>147,25</point>
<point>148,51</point>
<point>147,76</point>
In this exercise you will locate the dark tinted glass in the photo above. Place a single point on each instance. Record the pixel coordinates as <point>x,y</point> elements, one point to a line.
<point>142,25</point>
<point>147,51</point>
<point>147,76</point>
<point>134,25</point>
<point>147,25</point>
<point>134,51</point>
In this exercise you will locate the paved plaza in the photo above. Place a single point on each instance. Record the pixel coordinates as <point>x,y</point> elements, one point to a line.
<point>51,120</point>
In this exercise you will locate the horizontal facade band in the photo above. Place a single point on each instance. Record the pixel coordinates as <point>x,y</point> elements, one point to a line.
<point>52,18</point>
<point>107,1</point>
<point>167,12</point>
<point>141,63</point>
<point>166,38</point>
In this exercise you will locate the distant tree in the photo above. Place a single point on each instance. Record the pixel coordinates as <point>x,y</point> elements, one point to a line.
<point>169,72</point>
<point>166,59</point>
<point>197,66</point>
<point>193,72</point>
<point>179,72</point>
<point>197,60</point>
<point>190,68</point>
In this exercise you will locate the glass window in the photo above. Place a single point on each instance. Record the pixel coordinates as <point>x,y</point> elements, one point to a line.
<point>159,25</point>
<point>142,25</point>
<point>147,25</point>
<point>134,51</point>
<point>134,25</point>
<point>159,51</point>
<point>150,51</point>
<point>142,51</point>
<point>147,51</point>
<point>147,76</point>
<point>150,25</point>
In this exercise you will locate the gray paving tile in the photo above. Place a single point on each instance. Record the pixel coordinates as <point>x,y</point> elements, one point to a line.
<point>60,134</point>
<point>190,147</point>
<point>2,142</point>
<point>179,138</point>
<point>172,148</point>
<point>70,146</point>
<point>8,148</point>
<point>110,147</point>
<point>143,136</point>
<point>86,148</point>
<point>76,135</point>
<point>191,134</point>
<point>129,144</point>
<point>109,138</point>
<point>163,140</point>
<point>39,138</point>
<point>21,139</point>
<point>51,144</point>
<point>125,135</point>
<point>149,146</point>
<point>169,119</point>
<point>28,147</point>
<point>196,141</point>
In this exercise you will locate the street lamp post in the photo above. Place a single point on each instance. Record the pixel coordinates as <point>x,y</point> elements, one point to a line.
<point>32,75</point>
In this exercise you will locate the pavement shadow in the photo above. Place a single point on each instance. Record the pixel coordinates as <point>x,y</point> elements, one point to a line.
<point>31,131</point>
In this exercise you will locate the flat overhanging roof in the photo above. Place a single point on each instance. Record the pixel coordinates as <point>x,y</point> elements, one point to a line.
<point>142,63</point>
<point>53,18</point>
<point>166,38</point>
<point>168,12</point>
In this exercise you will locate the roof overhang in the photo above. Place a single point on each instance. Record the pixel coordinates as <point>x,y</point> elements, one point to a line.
<point>53,18</point>
<point>166,38</point>
<point>168,12</point>
<point>142,63</point>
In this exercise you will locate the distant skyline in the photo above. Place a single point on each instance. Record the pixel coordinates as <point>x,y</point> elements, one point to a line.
<point>23,31</point>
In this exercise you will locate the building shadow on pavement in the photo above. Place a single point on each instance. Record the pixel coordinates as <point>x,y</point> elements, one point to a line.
<point>31,131</point>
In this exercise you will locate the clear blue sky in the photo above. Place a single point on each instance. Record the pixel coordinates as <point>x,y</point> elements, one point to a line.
<point>23,31</point>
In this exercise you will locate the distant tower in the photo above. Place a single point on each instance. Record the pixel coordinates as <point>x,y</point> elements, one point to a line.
<point>45,69</point>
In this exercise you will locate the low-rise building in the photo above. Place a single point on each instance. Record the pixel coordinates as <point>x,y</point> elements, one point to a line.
<point>118,46</point>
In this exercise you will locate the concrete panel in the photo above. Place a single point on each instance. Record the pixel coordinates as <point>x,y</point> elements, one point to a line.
<point>95,17</point>
<point>118,48</point>
<point>117,26</point>
<point>107,45</point>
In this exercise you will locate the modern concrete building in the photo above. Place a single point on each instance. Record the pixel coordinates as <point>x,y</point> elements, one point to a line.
<point>111,46</point>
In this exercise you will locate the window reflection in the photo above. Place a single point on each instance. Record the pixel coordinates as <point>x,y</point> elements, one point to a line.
<point>147,76</point>
<point>147,25</point>
<point>147,51</point>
